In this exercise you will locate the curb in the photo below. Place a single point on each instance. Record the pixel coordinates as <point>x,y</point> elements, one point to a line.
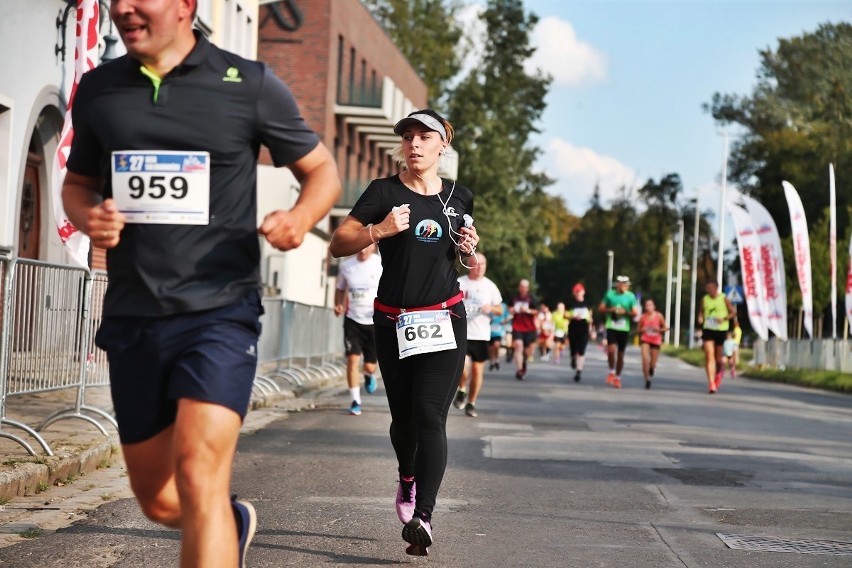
<point>29,478</point>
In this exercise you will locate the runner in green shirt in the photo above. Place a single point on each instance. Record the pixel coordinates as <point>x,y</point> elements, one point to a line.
<point>620,307</point>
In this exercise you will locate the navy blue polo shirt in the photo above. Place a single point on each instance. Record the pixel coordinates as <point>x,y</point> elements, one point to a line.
<point>214,101</point>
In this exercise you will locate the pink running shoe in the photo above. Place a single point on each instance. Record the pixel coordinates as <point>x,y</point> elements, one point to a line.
<point>418,534</point>
<point>718,380</point>
<point>405,494</point>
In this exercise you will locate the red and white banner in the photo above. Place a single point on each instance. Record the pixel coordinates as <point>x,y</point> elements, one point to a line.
<point>802,253</point>
<point>749,247</point>
<point>771,267</point>
<point>85,58</point>
<point>832,247</point>
<point>849,287</point>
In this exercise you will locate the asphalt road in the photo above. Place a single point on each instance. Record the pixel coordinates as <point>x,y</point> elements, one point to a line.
<point>551,473</point>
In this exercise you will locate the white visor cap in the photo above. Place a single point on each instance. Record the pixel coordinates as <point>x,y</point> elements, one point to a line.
<point>426,120</point>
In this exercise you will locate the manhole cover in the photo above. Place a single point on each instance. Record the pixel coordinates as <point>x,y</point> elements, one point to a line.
<point>756,543</point>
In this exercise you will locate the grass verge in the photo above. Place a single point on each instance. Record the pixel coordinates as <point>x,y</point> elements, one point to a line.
<point>825,380</point>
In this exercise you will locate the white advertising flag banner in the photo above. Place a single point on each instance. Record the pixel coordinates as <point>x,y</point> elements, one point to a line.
<point>802,253</point>
<point>832,247</point>
<point>85,58</point>
<point>749,248</point>
<point>771,267</point>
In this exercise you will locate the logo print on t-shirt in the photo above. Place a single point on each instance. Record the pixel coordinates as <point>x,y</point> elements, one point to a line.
<point>232,75</point>
<point>428,231</point>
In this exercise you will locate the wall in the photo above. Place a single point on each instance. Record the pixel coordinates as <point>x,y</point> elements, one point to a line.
<point>298,275</point>
<point>33,79</point>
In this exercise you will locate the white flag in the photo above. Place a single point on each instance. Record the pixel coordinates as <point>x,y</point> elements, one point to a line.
<point>85,58</point>
<point>749,247</point>
<point>802,252</point>
<point>832,247</point>
<point>771,267</point>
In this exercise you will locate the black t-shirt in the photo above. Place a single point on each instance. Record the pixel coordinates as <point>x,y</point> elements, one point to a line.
<point>418,265</point>
<point>583,311</point>
<point>214,101</point>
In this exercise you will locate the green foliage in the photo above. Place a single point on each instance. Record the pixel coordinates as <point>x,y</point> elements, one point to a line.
<point>797,120</point>
<point>825,380</point>
<point>636,229</point>
<point>427,32</point>
<point>34,532</point>
<point>495,110</point>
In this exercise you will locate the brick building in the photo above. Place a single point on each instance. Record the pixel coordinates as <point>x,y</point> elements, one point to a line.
<point>351,81</point>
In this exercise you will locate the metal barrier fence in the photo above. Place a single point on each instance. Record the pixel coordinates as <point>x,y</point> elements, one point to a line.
<point>299,344</point>
<point>817,354</point>
<point>49,314</point>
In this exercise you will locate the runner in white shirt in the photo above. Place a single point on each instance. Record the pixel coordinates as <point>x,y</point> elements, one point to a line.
<point>357,284</point>
<point>481,299</point>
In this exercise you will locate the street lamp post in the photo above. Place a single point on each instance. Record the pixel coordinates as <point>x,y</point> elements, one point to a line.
<point>694,275</point>
<point>720,261</point>
<point>668,285</point>
<point>610,259</point>
<point>679,280</point>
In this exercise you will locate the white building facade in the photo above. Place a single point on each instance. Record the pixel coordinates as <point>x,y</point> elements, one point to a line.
<point>37,41</point>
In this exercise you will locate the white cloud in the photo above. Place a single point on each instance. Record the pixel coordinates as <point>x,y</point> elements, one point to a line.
<point>473,37</point>
<point>563,55</point>
<point>578,170</point>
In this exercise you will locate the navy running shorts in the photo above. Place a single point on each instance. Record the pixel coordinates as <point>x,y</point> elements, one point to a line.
<point>209,356</point>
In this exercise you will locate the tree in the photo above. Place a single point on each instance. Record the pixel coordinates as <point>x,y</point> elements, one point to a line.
<point>797,120</point>
<point>495,110</point>
<point>428,33</point>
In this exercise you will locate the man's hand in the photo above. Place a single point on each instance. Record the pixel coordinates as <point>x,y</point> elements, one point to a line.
<point>104,223</point>
<point>284,230</point>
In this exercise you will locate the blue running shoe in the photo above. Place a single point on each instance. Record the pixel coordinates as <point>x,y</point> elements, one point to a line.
<point>246,519</point>
<point>355,409</point>
<point>370,384</point>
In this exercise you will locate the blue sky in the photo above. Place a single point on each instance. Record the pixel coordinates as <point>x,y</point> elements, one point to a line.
<point>630,77</point>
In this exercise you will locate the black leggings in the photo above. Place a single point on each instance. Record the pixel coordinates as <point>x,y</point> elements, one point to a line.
<point>420,389</point>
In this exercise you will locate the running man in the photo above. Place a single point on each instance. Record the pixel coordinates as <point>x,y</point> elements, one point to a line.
<point>182,307</point>
<point>482,299</point>
<point>651,326</point>
<point>714,316</point>
<point>357,285</point>
<point>620,307</point>
<point>580,329</point>
<point>524,310</point>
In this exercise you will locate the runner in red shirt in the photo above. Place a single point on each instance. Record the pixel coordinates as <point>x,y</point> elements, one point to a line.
<point>524,310</point>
